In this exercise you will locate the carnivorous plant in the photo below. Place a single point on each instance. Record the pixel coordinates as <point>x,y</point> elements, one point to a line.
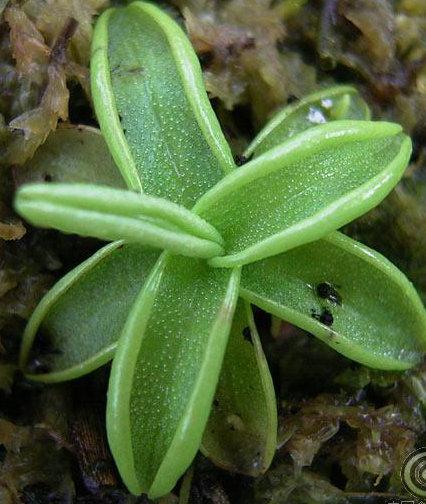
<point>196,239</point>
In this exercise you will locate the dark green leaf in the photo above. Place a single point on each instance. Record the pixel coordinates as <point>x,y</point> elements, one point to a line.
<point>241,434</point>
<point>82,316</point>
<point>72,154</point>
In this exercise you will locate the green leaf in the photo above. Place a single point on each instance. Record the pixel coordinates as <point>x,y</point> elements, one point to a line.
<point>81,155</point>
<point>82,316</point>
<point>114,214</point>
<point>305,188</point>
<point>152,106</point>
<point>166,369</point>
<point>380,320</point>
<point>241,434</point>
<point>72,154</point>
<point>331,104</point>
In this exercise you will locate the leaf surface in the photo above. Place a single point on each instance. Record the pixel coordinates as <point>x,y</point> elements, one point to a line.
<point>82,316</point>
<point>166,369</point>
<point>114,214</point>
<point>305,188</point>
<point>331,104</point>
<point>190,153</point>
<point>152,106</point>
<point>72,154</point>
<point>241,433</point>
<point>376,318</point>
<point>82,156</point>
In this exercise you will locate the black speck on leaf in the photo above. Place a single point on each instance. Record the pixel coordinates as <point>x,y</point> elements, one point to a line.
<point>326,290</point>
<point>325,317</point>
<point>240,159</point>
<point>247,334</point>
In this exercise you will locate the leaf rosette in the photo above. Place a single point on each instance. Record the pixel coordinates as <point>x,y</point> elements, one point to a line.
<point>191,235</point>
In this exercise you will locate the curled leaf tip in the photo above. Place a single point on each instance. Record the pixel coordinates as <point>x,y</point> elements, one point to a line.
<point>113,214</point>
<point>305,188</point>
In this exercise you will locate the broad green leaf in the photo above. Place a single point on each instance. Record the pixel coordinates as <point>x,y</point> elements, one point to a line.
<point>305,188</point>
<point>80,155</point>
<point>331,104</point>
<point>152,106</point>
<point>82,316</point>
<point>72,154</point>
<point>241,433</point>
<point>114,214</point>
<point>166,369</point>
<point>175,177</point>
<point>376,318</point>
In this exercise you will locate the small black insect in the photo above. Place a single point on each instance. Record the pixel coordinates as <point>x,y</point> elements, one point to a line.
<point>247,334</point>
<point>240,159</point>
<point>326,291</point>
<point>325,317</point>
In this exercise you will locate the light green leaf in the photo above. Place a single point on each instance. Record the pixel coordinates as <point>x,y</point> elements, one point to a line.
<point>380,322</point>
<point>82,316</point>
<point>121,202</point>
<point>152,106</point>
<point>72,154</point>
<point>166,369</point>
<point>331,104</point>
<point>114,214</point>
<point>241,434</point>
<point>178,183</point>
<point>305,188</point>
<point>80,155</point>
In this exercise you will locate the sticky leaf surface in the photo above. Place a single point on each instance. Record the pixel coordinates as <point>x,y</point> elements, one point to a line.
<point>241,433</point>
<point>82,316</point>
<point>165,371</point>
<point>113,214</point>
<point>331,104</point>
<point>349,296</point>
<point>152,106</point>
<point>72,154</point>
<point>305,188</point>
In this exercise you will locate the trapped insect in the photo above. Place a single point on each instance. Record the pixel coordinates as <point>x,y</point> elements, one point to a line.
<point>326,291</point>
<point>325,316</point>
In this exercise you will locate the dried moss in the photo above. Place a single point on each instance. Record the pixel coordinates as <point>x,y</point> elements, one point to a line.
<point>44,44</point>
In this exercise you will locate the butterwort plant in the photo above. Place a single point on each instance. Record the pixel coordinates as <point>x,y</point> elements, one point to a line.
<point>196,240</point>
